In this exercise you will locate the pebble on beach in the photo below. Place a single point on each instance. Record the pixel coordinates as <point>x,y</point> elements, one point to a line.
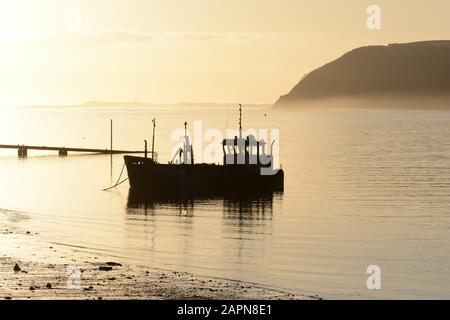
<point>105,268</point>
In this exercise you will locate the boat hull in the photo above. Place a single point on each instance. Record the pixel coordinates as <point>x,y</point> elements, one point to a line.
<point>148,177</point>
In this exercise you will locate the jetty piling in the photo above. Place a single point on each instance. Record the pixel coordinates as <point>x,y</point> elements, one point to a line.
<point>22,152</point>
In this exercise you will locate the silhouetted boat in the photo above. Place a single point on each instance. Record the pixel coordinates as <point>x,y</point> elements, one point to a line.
<point>246,170</point>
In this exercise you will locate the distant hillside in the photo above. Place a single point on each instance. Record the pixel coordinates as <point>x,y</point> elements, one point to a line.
<point>397,72</point>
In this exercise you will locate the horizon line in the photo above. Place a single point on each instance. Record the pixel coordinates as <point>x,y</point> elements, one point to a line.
<point>143,103</point>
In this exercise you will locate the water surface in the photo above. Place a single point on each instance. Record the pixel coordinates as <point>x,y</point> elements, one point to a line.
<point>361,188</point>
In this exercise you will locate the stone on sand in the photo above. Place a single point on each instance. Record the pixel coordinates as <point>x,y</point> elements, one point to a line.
<point>105,268</point>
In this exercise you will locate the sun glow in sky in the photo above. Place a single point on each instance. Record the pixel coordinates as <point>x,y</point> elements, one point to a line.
<point>71,51</point>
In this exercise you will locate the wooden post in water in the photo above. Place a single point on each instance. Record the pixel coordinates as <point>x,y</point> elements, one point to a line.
<point>153,139</point>
<point>111,135</point>
<point>111,160</point>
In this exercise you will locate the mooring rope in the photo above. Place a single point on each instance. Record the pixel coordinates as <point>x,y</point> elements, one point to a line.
<point>117,182</point>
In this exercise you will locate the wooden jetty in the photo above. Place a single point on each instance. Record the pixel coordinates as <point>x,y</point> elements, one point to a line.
<point>22,150</point>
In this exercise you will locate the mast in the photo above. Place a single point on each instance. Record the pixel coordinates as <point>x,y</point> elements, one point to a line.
<point>145,151</point>
<point>153,139</point>
<point>187,147</point>
<point>186,144</point>
<point>240,121</point>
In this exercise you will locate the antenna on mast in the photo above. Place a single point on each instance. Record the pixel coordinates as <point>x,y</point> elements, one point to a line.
<point>240,121</point>
<point>240,116</point>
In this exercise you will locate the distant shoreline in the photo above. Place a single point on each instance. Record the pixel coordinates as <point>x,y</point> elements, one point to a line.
<point>376,103</point>
<point>100,104</point>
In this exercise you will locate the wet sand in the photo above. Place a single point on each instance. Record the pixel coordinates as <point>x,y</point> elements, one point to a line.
<point>36,280</point>
<point>44,270</point>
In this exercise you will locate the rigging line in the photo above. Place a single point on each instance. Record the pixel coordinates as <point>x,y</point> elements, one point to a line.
<point>117,182</point>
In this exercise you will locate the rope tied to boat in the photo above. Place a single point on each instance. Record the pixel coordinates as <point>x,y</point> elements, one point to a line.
<point>118,179</point>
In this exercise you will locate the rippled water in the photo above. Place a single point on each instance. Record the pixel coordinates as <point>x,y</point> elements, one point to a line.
<point>361,188</point>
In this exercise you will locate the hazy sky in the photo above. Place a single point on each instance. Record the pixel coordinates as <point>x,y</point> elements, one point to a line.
<point>61,51</point>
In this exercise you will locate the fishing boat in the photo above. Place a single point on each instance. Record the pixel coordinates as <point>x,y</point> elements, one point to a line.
<point>247,169</point>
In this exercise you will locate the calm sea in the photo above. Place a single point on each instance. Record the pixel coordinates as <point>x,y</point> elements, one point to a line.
<point>361,189</point>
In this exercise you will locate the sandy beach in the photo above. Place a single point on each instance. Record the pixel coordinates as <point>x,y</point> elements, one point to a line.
<point>32,268</point>
<point>49,281</point>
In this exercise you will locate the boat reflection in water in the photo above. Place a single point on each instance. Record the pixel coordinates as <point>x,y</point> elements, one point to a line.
<point>211,236</point>
<point>242,207</point>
